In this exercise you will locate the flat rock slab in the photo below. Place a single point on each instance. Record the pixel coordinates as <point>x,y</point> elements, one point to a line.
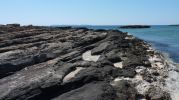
<point>100,48</point>
<point>88,57</point>
<point>91,91</point>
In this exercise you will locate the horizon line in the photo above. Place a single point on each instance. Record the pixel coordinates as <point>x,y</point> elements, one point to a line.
<point>86,24</point>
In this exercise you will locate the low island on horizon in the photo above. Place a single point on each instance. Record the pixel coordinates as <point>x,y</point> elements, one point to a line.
<point>134,26</point>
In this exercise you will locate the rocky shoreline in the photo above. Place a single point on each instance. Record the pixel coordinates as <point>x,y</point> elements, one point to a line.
<point>65,63</point>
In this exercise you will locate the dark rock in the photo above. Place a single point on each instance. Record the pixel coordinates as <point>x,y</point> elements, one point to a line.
<point>91,91</point>
<point>125,90</point>
<point>113,57</point>
<point>129,73</point>
<point>33,81</point>
<point>93,74</point>
<point>156,93</point>
<point>100,48</point>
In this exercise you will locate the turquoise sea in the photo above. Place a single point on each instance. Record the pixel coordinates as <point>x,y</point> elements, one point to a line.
<point>162,37</point>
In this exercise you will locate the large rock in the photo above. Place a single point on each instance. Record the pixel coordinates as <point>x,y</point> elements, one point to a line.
<point>33,81</point>
<point>91,91</point>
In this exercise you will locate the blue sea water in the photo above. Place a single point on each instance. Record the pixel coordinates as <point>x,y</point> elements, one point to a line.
<point>162,37</point>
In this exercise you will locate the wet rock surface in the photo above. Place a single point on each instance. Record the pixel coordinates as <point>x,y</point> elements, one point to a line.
<point>47,63</point>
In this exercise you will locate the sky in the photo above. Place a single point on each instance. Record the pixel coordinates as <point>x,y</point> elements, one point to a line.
<point>89,12</point>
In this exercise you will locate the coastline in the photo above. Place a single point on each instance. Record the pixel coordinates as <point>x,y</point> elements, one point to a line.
<point>169,69</point>
<point>164,67</point>
<point>78,63</point>
<point>173,77</point>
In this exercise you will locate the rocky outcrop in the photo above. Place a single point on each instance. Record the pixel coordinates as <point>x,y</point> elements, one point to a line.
<point>65,63</point>
<point>135,26</point>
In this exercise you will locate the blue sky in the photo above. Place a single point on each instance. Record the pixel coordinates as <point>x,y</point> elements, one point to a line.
<point>91,12</point>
